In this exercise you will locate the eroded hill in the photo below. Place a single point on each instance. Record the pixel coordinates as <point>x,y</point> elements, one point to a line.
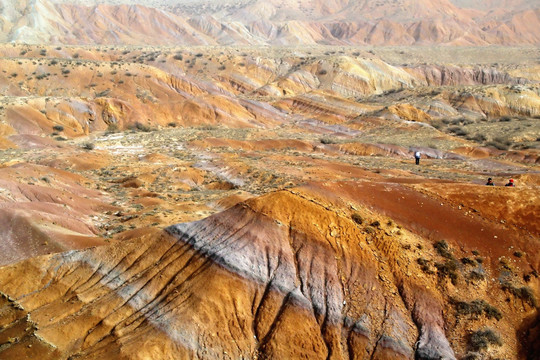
<point>270,22</point>
<point>311,272</point>
<point>264,203</point>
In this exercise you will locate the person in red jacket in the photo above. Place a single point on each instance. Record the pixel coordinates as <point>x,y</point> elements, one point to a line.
<point>510,183</point>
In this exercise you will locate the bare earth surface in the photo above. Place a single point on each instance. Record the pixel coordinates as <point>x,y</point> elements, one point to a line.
<point>264,203</point>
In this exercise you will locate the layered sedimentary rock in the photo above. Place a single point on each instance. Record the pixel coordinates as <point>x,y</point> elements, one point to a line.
<point>45,210</point>
<point>292,274</point>
<point>269,22</point>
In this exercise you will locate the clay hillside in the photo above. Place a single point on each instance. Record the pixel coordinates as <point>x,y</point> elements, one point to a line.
<point>236,180</point>
<point>229,202</point>
<point>271,22</point>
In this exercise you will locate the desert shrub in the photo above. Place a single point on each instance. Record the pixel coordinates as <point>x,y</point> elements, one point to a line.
<point>58,128</point>
<point>518,254</point>
<point>446,121</point>
<point>172,124</point>
<point>467,261</point>
<point>482,339</point>
<point>199,54</point>
<point>142,127</point>
<point>476,274</point>
<point>222,67</point>
<point>369,230</point>
<point>76,55</point>
<point>103,93</point>
<point>448,269</point>
<point>500,143</point>
<point>357,218</point>
<point>491,312</point>
<point>505,119</point>
<point>53,62</point>
<point>524,293</point>
<point>376,224</point>
<point>443,249</point>
<point>43,52</point>
<point>112,128</point>
<point>65,71</point>
<point>424,265</point>
<point>327,141</point>
<point>476,308</point>
<point>458,131</point>
<point>88,146</point>
<point>323,72</point>
<point>478,138</point>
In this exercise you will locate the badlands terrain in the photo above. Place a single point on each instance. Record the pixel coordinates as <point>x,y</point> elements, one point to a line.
<point>235,179</point>
<point>271,22</point>
<point>263,202</point>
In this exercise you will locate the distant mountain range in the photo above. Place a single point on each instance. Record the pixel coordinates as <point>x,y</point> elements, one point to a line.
<point>271,22</point>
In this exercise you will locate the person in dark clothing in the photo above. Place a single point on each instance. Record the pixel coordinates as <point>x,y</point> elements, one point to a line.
<point>417,157</point>
<point>490,182</point>
<point>510,183</point>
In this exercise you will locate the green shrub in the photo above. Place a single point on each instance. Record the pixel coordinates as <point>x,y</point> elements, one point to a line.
<point>58,128</point>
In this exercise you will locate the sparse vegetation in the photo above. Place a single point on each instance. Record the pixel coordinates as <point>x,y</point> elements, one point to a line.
<point>499,143</point>
<point>327,141</point>
<point>475,309</point>
<point>112,128</point>
<point>141,127</point>
<point>88,146</point>
<point>357,218</point>
<point>448,268</point>
<point>524,293</point>
<point>443,249</point>
<point>482,339</point>
<point>424,265</point>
